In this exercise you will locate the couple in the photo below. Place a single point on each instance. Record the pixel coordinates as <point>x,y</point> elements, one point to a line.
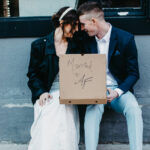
<point>56,126</point>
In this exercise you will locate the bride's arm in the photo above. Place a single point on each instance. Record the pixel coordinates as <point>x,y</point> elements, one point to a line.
<point>35,84</point>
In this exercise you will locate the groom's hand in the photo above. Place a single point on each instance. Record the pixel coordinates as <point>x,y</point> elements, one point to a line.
<point>112,94</point>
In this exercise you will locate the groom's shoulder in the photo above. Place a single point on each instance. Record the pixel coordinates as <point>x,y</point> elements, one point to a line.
<point>121,34</point>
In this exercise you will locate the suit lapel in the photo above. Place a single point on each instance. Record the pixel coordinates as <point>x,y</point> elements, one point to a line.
<point>112,44</point>
<point>50,48</point>
<point>113,41</point>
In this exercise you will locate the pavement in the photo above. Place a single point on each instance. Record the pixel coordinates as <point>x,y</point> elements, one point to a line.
<point>7,146</point>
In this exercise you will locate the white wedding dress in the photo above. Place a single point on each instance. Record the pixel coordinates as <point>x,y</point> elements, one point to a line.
<point>55,126</point>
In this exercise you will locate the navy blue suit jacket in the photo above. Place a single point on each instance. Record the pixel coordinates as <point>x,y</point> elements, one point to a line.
<point>122,57</point>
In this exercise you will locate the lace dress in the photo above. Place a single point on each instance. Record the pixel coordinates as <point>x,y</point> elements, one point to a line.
<point>55,126</point>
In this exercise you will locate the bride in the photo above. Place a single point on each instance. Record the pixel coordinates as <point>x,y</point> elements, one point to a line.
<point>55,126</point>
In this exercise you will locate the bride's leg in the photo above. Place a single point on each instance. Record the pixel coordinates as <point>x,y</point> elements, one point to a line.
<point>72,124</point>
<point>56,127</point>
<point>45,128</point>
<point>77,123</point>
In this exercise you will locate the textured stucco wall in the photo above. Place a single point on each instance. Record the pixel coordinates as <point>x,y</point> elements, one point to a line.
<point>16,111</point>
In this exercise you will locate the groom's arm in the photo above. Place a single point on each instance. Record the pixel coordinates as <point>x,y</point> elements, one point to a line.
<point>132,69</point>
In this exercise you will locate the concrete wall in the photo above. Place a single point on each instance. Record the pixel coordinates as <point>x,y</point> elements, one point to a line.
<point>16,111</point>
<point>42,7</point>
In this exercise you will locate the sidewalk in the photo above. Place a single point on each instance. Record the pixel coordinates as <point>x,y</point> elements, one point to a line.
<point>101,147</point>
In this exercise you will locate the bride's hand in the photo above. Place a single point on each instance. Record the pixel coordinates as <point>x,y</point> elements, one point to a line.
<point>43,98</point>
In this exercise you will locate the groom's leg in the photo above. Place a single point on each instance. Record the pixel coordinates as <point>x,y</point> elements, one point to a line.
<point>128,106</point>
<point>92,120</point>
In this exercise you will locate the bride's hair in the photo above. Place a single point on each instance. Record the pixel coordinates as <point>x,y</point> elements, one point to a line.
<point>70,17</point>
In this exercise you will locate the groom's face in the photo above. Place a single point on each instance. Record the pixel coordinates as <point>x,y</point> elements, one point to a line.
<point>88,25</point>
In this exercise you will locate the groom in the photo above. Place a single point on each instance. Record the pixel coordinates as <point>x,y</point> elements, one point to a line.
<point>122,73</point>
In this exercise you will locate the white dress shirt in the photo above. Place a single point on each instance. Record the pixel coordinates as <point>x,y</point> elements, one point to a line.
<point>103,48</point>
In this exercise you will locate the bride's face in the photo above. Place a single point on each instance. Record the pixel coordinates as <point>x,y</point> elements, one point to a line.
<point>69,30</point>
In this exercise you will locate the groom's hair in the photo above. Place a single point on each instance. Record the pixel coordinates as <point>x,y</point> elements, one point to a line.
<point>91,9</point>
